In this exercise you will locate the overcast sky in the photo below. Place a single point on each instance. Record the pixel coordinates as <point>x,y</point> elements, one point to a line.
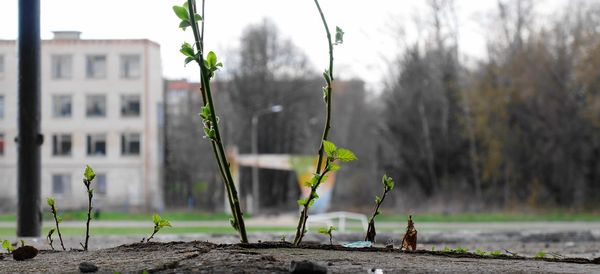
<point>371,27</point>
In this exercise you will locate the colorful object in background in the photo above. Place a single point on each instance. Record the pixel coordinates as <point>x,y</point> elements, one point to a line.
<point>302,165</point>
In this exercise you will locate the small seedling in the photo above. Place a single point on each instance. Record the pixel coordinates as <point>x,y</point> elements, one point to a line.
<point>328,231</point>
<point>388,184</point>
<point>410,237</point>
<point>189,17</point>
<point>333,153</point>
<point>57,220</point>
<point>460,250</point>
<point>433,248</point>
<point>282,238</point>
<point>540,255</point>
<point>159,223</point>
<point>6,245</point>
<point>49,237</point>
<point>88,177</point>
<point>479,252</point>
<point>496,253</point>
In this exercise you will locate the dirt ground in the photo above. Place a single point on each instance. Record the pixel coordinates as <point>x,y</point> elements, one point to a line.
<point>205,257</point>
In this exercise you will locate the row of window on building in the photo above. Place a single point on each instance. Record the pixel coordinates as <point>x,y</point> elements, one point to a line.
<point>61,184</point>
<point>96,145</point>
<point>95,106</point>
<point>95,66</point>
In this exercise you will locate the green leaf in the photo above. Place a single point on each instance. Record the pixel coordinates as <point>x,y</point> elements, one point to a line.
<point>89,174</point>
<point>388,182</point>
<point>334,167</point>
<point>181,12</point>
<point>211,59</point>
<point>329,148</point>
<point>339,35</point>
<point>332,228</point>
<point>6,245</point>
<point>59,219</point>
<point>188,60</point>
<point>307,183</point>
<point>301,202</point>
<point>187,50</point>
<point>326,76</point>
<point>51,201</point>
<point>324,179</point>
<point>377,199</point>
<point>184,24</point>
<point>156,219</point>
<point>162,223</point>
<point>345,155</point>
<point>51,232</point>
<point>323,230</point>
<point>197,17</point>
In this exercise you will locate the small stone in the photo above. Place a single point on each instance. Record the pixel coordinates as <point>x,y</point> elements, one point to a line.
<point>596,260</point>
<point>307,267</point>
<point>86,267</point>
<point>24,253</point>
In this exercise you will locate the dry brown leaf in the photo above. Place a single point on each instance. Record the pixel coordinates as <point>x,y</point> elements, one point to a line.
<point>371,232</point>
<point>410,238</point>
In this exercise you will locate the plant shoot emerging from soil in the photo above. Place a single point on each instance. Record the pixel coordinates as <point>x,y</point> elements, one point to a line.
<point>333,153</point>
<point>6,245</point>
<point>49,237</point>
<point>329,232</point>
<point>388,185</point>
<point>159,223</point>
<point>88,177</point>
<point>189,17</point>
<point>57,220</point>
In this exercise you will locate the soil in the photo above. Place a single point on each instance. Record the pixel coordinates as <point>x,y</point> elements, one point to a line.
<point>276,257</point>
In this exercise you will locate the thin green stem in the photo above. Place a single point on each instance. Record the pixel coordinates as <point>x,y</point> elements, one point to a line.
<point>300,230</point>
<point>89,217</point>
<point>54,213</point>
<point>218,148</point>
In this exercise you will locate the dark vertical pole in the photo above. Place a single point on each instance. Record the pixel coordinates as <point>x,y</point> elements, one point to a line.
<point>30,138</point>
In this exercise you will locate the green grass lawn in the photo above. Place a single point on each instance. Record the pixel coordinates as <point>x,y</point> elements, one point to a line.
<point>72,231</point>
<point>124,216</point>
<point>492,217</point>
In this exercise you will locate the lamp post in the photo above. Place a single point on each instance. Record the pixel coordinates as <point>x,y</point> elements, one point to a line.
<point>254,137</point>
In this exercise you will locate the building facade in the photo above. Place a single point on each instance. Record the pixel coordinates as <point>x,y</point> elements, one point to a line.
<point>101,105</point>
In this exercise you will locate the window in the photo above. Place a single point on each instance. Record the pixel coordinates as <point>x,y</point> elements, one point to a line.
<point>130,144</point>
<point>95,106</point>
<point>96,66</point>
<point>1,106</point>
<point>61,184</point>
<point>96,144</point>
<point>1,65</point>
<point>1,143</point>
<point>61,66</point>
<point>100,181</point>
<point>130,66</point>
<point>61,145</point>
<point>61,106</point>
<point>130,105</point>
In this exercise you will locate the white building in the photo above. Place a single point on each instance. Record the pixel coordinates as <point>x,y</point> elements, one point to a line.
<point>101,105</point>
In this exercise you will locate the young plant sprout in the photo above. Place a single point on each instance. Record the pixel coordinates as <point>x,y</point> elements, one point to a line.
<point>159,223</point>
<point>88,176</point>
<point>195,52</point>
<point>57,220</point>
<point>328,231</point>
<point>49,237</point>
<point>388,185</point>
<point>333,153</point>
<point>6,245</point>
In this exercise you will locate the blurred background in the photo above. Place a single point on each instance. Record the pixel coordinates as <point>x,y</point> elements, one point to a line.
<point>482,110</point>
